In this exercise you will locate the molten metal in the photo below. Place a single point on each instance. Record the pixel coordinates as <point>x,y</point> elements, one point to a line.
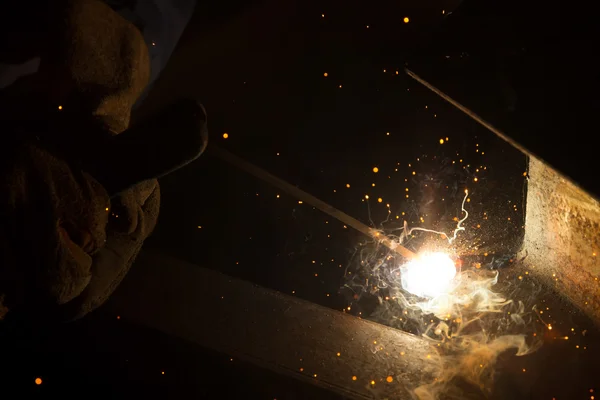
<point>428,275</point>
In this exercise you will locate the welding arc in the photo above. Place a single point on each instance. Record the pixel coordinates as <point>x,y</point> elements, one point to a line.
<point>309,199</point>
<point>466,111</point>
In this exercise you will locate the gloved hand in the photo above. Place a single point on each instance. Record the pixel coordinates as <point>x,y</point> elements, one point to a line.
<point>94,68</point>
<point>132,218</point>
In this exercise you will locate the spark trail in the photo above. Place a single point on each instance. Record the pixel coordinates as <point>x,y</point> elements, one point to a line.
<point>407,231</point>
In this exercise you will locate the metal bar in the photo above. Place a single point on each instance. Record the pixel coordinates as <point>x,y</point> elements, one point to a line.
<point>282,333</point>
<point>309,199</point>
<point>467,111</point>
<point>482,122</point>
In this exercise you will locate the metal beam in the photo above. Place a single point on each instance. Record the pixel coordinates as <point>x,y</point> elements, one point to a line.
<point>272,330</point>
<point>562,241</point>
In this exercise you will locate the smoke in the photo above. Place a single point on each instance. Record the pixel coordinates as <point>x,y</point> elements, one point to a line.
<point>466,314</point>
<point>467,370</point>
<point>475,325</point>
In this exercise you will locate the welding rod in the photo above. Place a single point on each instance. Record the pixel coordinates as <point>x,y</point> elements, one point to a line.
<point>334,212</point>
<point>466,111</point>
<point>309,199</point>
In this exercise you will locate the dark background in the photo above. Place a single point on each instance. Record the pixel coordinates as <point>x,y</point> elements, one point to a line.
<point>258,67</point>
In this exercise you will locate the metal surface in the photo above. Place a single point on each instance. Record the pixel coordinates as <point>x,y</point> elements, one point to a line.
<point>272,330</point>
<point>562,244</point>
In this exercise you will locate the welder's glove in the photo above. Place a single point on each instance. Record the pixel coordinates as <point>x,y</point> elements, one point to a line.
<point>94,65</point>
<point>132,218</point>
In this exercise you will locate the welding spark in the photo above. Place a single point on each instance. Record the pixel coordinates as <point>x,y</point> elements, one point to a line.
<point>429,275</point>
<point>456,308</point>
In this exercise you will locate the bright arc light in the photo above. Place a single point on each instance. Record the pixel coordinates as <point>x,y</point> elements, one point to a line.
<point>429,275</point>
